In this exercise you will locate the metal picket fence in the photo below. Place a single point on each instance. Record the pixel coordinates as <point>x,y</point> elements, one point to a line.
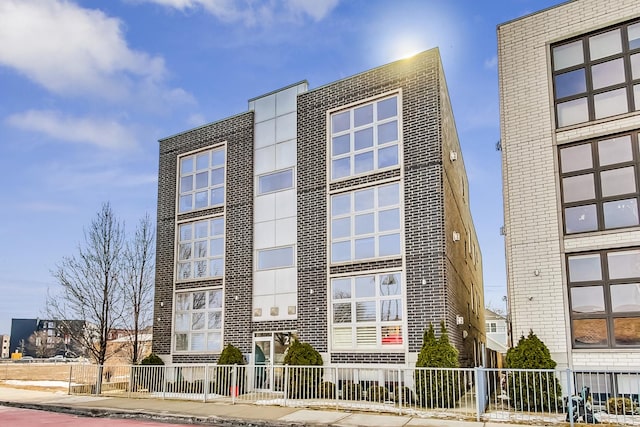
<point>513,395</point>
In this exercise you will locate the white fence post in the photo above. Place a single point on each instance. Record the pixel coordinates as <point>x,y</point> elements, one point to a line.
<point>70,378</point>
<point>569,408</point>
<point>286,383</point>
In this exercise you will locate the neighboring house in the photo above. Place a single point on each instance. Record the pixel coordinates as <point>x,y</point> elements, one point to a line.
<point>496,328</point>
<point>45,338</point>
<point>4,347</point>
<point>338,215</point>
<point>570,126</point>
<point>120,345</point>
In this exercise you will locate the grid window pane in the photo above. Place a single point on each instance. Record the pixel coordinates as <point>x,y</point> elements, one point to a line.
<point>587,299</point>
<point>633,32</point>
<point>572,112</point>
<point>608,73</point>
<point>575,158</point>
<point>200,244</point>
<point>276,181</point>
<point>605,44</point>
<point>635,66</point>
<point>359,219</point>
<point>568,55</point>
<point>625,297</point>
<point>580,187</point>
<point>201,180</point>
<point>581,219</point>
<point>598,299</point>
<point>610,103</point>
<point>618,181</point>
<point>365,138</point>
<point>275,258</point>
<point>198,323</point>
<point>570,83</point>
<point>620,213</point>
<point>372,314</point>
<point>614,150</point>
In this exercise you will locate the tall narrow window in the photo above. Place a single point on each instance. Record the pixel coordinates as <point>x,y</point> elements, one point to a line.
<point>201,180</point>
<point>198,321</point>
<point>365,138</point>
<point>201,249</point>
<point>367,312</point>
<point>365,223</point>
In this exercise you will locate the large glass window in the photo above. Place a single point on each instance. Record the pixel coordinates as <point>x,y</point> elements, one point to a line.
<point>599,182</point>
<point>604,298</point>
<point>198,321</point>
<point>276,181</point>
<point>367,312</point>
<point>365,138</point>
<point>201,180</point>
<point>275,258</point>
<point>365,223</point>
<point>597,75</point>
<point>201,249</point>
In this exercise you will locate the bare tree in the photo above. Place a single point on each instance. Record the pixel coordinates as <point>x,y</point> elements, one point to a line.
<point>138,282</point>
<point>90,282</point>
<point>40,344</point>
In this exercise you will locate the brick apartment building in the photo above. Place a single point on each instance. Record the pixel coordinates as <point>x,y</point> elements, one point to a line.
<point>570,126</point>
<point>338,215</point>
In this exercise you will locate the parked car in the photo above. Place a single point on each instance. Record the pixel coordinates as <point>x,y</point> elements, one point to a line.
<point>25,359</point>
<point>57,358</point>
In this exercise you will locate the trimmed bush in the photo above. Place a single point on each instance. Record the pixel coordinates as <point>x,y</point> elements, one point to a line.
<point>229,356</point>
<point>327,390</point>
<point>303,383</point>
<point>377,393</point>
<point>621,406</point>
<point>437,388</point>
<point>408,398</point>
<point>151,377</point>
<point>532,391</point>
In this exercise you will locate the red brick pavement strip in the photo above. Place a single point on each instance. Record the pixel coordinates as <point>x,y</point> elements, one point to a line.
<point>35,418</point>
<point>110,415</point>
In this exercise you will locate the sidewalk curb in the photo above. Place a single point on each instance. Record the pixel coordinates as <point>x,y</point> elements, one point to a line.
<point>153,416</point>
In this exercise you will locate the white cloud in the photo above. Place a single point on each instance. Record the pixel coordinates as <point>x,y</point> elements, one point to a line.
<point>70,50</point>
<point>491,63</point>
<point>254,12</point>
<point>100,132</point>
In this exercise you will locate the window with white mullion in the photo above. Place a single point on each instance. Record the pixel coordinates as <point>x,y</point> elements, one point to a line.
<point>198,321</point>
<point>201,180</point>
<point>365,138</point>
<point>201,249</point>
<point>367,312</point>
<point>365,223</point>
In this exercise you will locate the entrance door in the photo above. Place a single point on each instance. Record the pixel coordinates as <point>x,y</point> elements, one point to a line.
<point>262,356</point>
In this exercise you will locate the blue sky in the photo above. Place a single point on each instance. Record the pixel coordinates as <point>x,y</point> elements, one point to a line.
<point>88,87</point>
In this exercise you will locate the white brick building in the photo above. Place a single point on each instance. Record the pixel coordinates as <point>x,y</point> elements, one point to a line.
<point>570,126</point>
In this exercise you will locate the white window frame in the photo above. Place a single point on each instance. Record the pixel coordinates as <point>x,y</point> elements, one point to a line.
<point>351,131</point>
<point>376,234</point>
<point>259,191</point>
<point>378,324</point>
<point>193,242</point>
<point>261,251</point>
<point>195,172</point>
<point>190,314</point>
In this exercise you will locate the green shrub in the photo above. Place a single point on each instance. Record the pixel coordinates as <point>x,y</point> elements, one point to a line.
<point>377,393</point>
<point>532,391</point>
<point>327,390</point>
<point>437,388</point>
<point>621,406</point>
<point>150,377</point>
<point>152,359</point>
<point>351,391</point>
<point>303,382</point>
<point>408,398</point>
<point>223,376</point>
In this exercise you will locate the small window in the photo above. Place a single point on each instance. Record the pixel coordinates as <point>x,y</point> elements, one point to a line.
<point>275,258</point>
<point>276,181</point>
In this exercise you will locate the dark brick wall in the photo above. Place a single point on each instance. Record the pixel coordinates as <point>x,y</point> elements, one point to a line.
<point>418,78</point>
<point>237,132</point>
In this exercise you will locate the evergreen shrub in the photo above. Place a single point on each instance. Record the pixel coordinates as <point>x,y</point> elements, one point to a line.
<point>230,356</point>
<point>437,387</point>
<point>303,382</point>
<point>151,377</point>
<point>532,391</point>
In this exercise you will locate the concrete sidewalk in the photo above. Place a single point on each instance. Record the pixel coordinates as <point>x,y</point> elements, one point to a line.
<point>211,413</point>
